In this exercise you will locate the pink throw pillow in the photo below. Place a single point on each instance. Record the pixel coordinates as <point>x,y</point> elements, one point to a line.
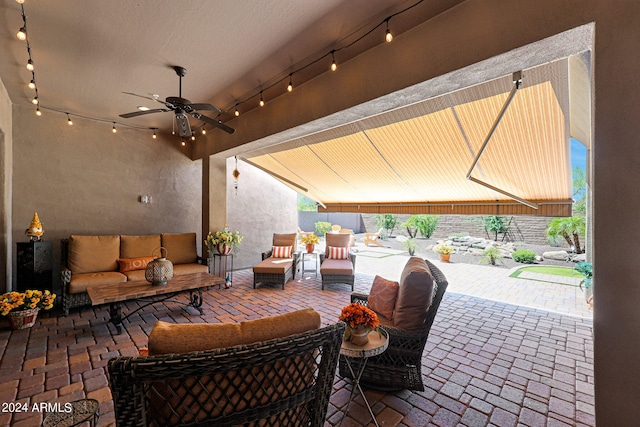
<point>338,253</point>
<point>281,252</point>
<point>382,297</point>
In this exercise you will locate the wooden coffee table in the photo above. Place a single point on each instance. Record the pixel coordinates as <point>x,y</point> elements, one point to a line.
<point>115,294</point>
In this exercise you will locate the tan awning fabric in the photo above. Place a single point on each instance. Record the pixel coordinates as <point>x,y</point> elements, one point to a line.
<point>415,160</point>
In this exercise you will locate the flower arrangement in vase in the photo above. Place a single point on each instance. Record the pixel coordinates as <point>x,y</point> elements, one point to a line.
<point>223,241</point>
<point>360,321</point>
<point>310,240</point>
<point>23,307</point>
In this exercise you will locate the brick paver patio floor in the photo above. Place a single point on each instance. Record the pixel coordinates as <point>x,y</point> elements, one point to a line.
<point>486,363</point>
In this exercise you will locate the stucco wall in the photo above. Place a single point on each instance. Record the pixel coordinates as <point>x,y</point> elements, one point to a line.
<point>83,179</point>
<point>262,206</point>
<point>6,145</point>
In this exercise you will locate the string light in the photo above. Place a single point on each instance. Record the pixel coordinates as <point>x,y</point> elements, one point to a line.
<point>113,129</point>
<point>237,113</point>
<point>183,143</point>
<point>204,131</point>
<point>22,34</point>
<point>20,1</point>
<point>35,101</point>
<point>32,84</point>
<point>154,134</point>
<point>261,100</point>
<point>38,112</point>
<point>69,122</point>
<point>30,65</point>
<point>334,66</point>
<point>290,86</point>
<point>388,37</point>
<point>193,136</point>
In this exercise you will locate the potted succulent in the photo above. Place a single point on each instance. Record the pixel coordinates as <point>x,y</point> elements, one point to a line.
<point>586,269</point>
<point>310,240</point>
<point>445,251</point>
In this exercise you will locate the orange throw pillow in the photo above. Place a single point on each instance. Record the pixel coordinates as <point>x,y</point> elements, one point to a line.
<point>131,264</point>
<point>382,297</point>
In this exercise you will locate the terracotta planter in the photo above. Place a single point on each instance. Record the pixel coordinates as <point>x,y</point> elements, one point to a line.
<point>359,335</point>
<point>23,319</point>
<point>223,249</point>
<point>310,247</point>
<point>445,257</point>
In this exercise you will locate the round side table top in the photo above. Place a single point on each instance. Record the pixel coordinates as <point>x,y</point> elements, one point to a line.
<point>378,343</point>
<point>81,410</point>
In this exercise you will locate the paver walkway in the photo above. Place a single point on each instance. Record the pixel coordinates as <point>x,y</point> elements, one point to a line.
<point>486,363</point>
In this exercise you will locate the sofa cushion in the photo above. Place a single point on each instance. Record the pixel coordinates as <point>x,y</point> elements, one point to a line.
<point>414,294</point>
<point>337,267</point>
<point>139,246</point>
<point>91,254</point>
<point>136,275</point>
<point>179,269</point>
<point>383,296</point>
<point>80,282</point>
<point>273,266</point>
<point>167,338</point>
<point>181,248</point>
<point>131,264</point>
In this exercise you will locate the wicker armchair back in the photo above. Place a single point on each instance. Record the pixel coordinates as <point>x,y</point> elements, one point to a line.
<point>285,381</point>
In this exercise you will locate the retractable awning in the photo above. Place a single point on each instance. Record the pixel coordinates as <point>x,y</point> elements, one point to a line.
<point>416,159</point>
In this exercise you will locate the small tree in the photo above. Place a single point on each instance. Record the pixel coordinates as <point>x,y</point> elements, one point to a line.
<point>570,229</point>
<point>423,224</point>
<point>496,224</point>
<point>386,221</point>
<point>491,255</point>
<point>579,179</point>
<point>322,227</point>
<point>306,205</point>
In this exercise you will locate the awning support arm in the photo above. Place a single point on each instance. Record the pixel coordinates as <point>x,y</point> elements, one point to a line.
<point>300,189</point>
<point>517,80</point>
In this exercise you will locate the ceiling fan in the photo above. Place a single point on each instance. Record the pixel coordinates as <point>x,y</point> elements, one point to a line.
<point>182,108</point>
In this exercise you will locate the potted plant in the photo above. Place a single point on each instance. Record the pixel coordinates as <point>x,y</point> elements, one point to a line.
<point>310,240</point>
<point>445,251</point>
<point>23,307</point>
<point>360,321</point>
<point>586,269</point>
<point>223,241</point>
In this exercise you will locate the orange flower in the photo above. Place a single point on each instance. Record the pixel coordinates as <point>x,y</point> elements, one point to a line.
<point>358,315</point>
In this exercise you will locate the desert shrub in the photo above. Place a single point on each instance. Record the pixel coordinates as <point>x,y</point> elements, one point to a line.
<point>491,255</point>
<point>423,224</point>
<point>410,245</point>
<point>524,256</point>
<point>386,221</point>
<point>322,228</point>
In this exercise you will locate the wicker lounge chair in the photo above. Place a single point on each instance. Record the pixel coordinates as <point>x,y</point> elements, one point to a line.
<point>281,381</point>
<point>337,270</point>
<point>399,367</point>
<point>277,270</point>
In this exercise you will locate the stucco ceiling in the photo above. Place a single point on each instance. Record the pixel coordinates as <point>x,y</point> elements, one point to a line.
<point>88,52</point>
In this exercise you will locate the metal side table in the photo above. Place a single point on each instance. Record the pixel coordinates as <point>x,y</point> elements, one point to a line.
<point>378,343</point>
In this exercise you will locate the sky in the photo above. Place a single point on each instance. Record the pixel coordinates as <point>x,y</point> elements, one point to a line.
<point>578,154</point>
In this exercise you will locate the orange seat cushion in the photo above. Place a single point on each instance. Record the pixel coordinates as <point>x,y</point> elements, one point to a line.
<point>273,266</point>
<point>139,246</point>
<point>336,267</point>
<point>181,248</point>
<point>80,282</point>
<point>91,254</point>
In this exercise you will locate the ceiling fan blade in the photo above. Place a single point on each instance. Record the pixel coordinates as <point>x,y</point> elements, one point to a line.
<point>214,122</point>
<point>208,107</point>
<point>139,96</point>
<point>142,113</point>
<point>184,129</point>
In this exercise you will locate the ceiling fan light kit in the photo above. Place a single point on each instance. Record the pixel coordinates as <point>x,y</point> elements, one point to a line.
<point>182,108</point>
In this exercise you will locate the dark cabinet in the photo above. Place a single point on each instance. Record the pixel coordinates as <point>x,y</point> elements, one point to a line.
<point>35,266</point>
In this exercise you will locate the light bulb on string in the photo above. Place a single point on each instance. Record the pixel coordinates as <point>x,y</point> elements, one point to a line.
<point>30,65</point>
<point>237,113</point>
<point>193,136</point>
<point>204,131</point>
<point>21,34</point>
<point>20,1</point>
<point>38,112</point>
<point>35,101</point>
<point>69,122</point>
<point>154,134</point>
<point>261,100</point>
<point>334,66</point>
<point>113,129</point>
<point>183,143</point>
<point>290,86</point>
<point>32,84</point>
<point>388,37</point>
